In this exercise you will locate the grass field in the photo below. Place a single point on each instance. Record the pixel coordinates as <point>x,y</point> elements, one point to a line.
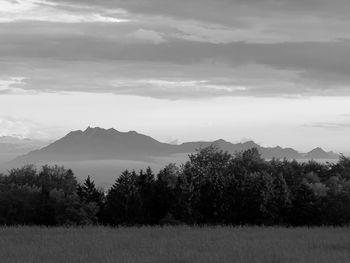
<point>174,244</point>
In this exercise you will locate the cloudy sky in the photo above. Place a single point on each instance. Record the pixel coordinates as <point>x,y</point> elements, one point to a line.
<point>275,71</point>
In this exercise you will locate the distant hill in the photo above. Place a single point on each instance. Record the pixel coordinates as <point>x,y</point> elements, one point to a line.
<point>319,153</point>
<point>110,144</point>
<point>11,147</point>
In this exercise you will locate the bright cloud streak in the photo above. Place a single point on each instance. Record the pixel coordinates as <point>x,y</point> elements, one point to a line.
<point>38,10</point>
<point>12,85</point>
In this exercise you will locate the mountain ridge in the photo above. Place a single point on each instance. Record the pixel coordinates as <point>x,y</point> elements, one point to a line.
<point>111,144</point>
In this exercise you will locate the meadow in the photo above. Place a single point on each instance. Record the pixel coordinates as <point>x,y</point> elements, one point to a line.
<point>174,244</point>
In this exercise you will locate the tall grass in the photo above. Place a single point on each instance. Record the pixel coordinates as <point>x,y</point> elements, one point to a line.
<point>174,244</point>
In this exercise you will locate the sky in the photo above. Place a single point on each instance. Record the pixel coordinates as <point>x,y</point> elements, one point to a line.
<point>272,71</point>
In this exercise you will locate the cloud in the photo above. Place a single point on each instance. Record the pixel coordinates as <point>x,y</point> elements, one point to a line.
<point>79,43</point>
<point>293,69</point>
<point>167,79</point>
<point>222,21</point>
<point>256,21</point>
<point>12,126</point>
<point>151,79</point>
<point>45,11</point>
<point>12,85</point>
<point>238,48</point>
<point>339,122</point>
<point>331,125</point>
<point>144,35</point>
<point>223,11</point>
<point>171,89</point>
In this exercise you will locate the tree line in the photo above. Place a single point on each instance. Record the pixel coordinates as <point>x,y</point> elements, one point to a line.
<point>213,187</point>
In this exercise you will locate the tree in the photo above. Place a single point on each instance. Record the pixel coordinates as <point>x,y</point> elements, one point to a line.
<point>280,202</point>
<point>200,185</point>
<point>89,193</point>
<point>122,200</point>
<point>342,168</point>
<point>305,209</point>
<point>256,195</point>
<point>26,175</point>
<point>165,198</point>
<point>92,199</point>
<point>250,160</point>
<point>39,197</point>
<point>18,204</point>
<point>213,187</point>
<point>145,188</point>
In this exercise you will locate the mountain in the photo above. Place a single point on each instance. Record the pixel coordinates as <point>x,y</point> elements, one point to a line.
<point>99,144</point>
<point>190,147</point>
<point>319,153</point>
<point>11,147</point>
<point>103,144</point>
